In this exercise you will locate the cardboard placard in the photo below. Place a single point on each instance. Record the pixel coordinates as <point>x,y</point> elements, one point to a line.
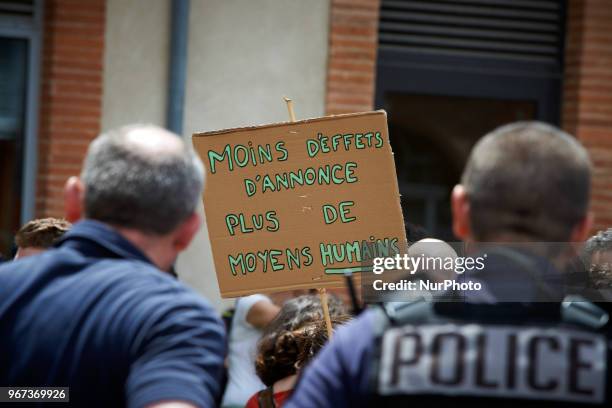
<point>296,205</point>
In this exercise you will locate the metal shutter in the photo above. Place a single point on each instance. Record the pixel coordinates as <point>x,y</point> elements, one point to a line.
<point>17,7</point>
<point>523,31</point>
<point>18,14</point>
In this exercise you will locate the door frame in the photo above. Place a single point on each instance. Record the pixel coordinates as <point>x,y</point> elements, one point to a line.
<point>29,29</point>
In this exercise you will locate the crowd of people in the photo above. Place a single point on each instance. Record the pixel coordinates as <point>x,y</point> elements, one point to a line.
<point>92,302</point>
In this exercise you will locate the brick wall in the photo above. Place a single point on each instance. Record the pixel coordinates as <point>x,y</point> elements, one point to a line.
<point>71,94</point>
<point>587,104</point>
<point>352,55</point>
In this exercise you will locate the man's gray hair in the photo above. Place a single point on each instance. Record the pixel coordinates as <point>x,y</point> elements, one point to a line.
<point>527,178</point>
<point>128,186</point>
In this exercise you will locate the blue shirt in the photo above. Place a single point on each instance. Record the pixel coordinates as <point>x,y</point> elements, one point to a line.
<point>97,316</point>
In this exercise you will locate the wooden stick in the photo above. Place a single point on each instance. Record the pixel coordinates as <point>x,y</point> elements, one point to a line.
<point>290,109</point>
<point>322,291</point>
<point>328,323</point>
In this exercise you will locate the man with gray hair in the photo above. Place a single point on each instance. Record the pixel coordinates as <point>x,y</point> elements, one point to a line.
<point>99,314</point>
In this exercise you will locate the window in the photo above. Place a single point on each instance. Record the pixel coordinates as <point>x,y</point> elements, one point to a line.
<point>19,71</point>
<point>449,71</point>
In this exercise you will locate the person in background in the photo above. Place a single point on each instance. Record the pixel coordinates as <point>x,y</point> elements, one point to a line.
<point>597,257</point>
<point>592,270</point>
<point>251,315</point>
<point>98,313</point>
<point>432,248</point>
<point>429,248</point>
<point>291,340</point>
<point>415,232</point>
<point>39,235</point>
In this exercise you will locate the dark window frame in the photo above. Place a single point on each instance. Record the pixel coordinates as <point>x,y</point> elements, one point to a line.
<point>20,25</point>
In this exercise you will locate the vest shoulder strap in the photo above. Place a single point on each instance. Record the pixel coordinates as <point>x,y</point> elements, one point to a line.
<point>399,313</point>
<point>579,311</point>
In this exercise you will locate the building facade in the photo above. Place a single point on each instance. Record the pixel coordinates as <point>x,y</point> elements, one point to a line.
<point>446,72</point>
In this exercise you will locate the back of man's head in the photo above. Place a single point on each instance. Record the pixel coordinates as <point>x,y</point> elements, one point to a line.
<point>142,178</point>
<point>527,179</point>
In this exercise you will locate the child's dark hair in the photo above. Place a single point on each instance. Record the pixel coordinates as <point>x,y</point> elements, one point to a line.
<point>296,334</point>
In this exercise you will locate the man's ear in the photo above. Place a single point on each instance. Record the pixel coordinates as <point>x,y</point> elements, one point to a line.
<point>582,230</point>
<point>460,207</point>
<point>186,231</point>
<point>73,199</point>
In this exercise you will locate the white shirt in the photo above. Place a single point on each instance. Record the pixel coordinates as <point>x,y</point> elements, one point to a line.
<point>242,381</point>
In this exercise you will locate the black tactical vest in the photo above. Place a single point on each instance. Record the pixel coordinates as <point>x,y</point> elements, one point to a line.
<point>503,355</point>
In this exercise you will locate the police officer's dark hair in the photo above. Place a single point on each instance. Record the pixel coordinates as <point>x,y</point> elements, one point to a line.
<point>128,187</point>
<point>529,179</point>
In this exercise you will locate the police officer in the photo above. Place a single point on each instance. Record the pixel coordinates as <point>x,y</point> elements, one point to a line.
<point>522,341</point>
<point>100,313</point>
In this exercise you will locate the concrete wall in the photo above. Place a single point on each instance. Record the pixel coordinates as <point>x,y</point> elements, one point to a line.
<point>243,57</point>
<point>135,62</point>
